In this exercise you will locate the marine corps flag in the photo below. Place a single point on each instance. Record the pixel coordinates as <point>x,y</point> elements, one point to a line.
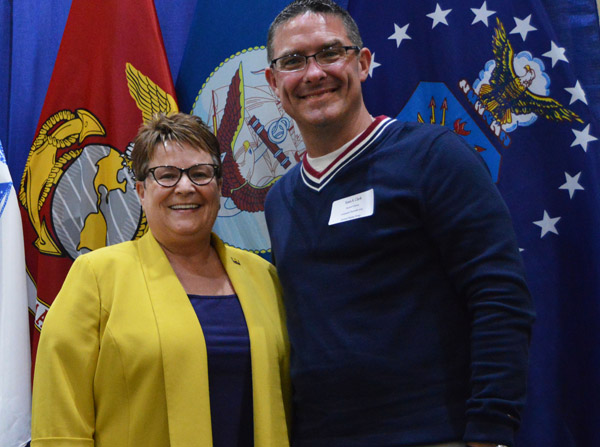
<point>509,78</point>
<point>77,192</point>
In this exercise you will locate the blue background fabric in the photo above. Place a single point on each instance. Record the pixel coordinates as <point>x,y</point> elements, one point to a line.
<point>549,170</point>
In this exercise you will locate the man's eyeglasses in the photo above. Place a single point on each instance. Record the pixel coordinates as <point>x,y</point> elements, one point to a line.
<point>297,62</point>
<point>168,176</point>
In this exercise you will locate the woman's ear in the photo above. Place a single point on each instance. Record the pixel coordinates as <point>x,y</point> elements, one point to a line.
<point>140,188</point>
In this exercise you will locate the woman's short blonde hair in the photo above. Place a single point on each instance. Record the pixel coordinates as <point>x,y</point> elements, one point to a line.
<point>178,128</point>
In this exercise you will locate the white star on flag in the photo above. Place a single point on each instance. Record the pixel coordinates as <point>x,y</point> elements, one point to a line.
<point>373,66</point>
<point>523,27</point>
<point>572,184</point>
<point>556,53</point>
<point>439,16</point>
<point>547,224</point>
<point>577,93</point>
<point>583,137</point>
<point>400,34</point>
<point>482,14</point>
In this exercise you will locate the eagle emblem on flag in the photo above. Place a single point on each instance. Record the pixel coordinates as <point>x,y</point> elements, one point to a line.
<point>508,92</point>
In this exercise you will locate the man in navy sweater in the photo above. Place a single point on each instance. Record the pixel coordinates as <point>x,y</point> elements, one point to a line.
<point>408,313</point>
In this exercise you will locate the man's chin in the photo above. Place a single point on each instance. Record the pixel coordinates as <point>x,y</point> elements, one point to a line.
<point>319,118</point>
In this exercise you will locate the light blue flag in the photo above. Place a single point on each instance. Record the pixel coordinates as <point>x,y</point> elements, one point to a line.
<point>15,357</point>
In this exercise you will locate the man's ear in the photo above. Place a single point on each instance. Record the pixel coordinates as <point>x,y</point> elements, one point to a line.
<point>270,75</point>
<point>364,62</point>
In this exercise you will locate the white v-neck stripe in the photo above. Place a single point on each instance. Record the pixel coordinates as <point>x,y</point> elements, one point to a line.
<point>317,179</point>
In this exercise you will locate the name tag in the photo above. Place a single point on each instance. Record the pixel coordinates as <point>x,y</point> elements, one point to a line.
<point>352,207</point>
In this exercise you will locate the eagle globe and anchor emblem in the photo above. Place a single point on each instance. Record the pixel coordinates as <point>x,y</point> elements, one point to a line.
<point>259,143</point>
<point>91,187</point>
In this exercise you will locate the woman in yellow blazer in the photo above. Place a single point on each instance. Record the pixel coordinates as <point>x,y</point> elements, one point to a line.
<point>123,359</point>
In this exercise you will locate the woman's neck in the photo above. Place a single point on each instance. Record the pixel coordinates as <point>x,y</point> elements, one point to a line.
<point>199,269</point>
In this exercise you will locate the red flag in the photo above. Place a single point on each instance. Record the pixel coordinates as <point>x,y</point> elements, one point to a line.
<point>77,192</point>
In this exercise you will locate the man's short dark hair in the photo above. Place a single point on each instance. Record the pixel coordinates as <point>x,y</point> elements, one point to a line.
<point>300,7</point>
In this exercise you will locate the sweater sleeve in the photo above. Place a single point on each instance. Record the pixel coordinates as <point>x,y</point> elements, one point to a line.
<point>471,226</point>
<point>63,401</point>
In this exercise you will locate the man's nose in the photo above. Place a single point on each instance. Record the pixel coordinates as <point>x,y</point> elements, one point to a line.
<point>313,69</point>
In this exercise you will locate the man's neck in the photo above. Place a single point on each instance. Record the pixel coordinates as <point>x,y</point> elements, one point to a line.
<point>321,141</point>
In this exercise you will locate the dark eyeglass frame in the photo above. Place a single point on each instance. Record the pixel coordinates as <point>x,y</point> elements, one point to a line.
<point>346,48</point>
<point>187,172</point>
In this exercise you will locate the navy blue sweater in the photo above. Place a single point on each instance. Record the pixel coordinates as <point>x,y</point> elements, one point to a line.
<point>410,326</point>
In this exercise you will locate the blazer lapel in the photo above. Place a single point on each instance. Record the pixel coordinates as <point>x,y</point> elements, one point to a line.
<point>269,413</point>
<point>186,375</point>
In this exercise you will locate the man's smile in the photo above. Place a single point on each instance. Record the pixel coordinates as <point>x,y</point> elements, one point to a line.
<point>318,93</point>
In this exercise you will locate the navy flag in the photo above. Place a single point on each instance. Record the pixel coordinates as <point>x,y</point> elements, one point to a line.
<point>222,80</point>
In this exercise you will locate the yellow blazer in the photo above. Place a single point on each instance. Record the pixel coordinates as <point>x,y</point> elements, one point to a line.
<point>122,357</point>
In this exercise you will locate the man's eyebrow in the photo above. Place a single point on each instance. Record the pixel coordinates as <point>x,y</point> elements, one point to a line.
<point>328,44</point>
<point>332,43</point>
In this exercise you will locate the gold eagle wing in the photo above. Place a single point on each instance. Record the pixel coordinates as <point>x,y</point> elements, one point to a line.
<point>544,106</point>
<point>503,55</point>
<point>149,97</point>
<point>504,73</point>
